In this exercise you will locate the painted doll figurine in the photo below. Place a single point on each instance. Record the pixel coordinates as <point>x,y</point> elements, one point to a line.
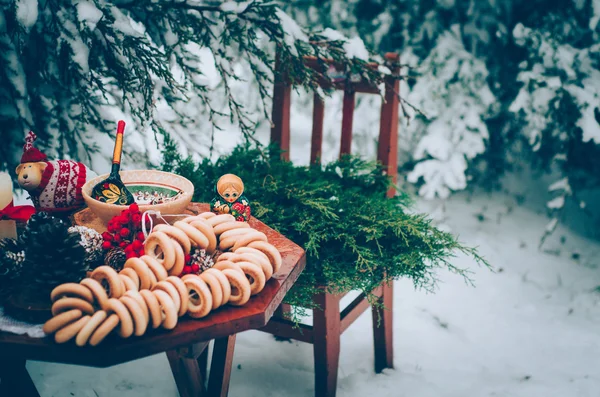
<point>230,198</point>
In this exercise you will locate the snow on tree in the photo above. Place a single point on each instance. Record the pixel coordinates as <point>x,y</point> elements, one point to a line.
<point>454,95</point>
<point>70,69</point>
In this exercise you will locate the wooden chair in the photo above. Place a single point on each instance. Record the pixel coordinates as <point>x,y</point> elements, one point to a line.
<point>329,322</point>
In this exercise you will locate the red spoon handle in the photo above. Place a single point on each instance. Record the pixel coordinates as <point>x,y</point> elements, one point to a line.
<point>119,142</point>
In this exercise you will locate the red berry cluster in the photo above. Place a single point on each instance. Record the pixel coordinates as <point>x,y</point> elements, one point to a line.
<point>125,231</point>
<point>189,268</point>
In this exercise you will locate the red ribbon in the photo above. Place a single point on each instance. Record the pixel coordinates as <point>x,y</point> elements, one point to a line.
<point>18,213</point>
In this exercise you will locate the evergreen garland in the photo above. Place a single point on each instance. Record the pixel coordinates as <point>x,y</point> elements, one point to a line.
<point>354,237</point>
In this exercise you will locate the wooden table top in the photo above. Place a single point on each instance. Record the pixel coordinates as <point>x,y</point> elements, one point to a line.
<point>224,321</point>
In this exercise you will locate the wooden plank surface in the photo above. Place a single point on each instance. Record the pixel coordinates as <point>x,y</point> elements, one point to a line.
<point>223,322</point>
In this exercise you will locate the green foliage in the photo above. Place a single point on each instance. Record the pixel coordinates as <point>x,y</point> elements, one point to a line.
<point>354,237</point>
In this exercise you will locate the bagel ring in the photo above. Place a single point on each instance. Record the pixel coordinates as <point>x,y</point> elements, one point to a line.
<point>68,332</point>
<point>142,271</point>
<point>226,226</point>
<point>136,296</point>
<point>153,307</point>
<point>97,290</point>
<point>126,328</point>
<point>128,283</point>
<point>72,290</point>
<point>240,287</point>
<point>176,234</point>
<point>235,232</point>
<point>225,286</point>
<point>270,251</point>
<point>171,290</point>
<point>66,304</point>
<point>197,238</point>
<point>215,289</point>
<point>207,231</point>
<point>225,256</point>
<point>218,219</point>
<point>167,308</point>
<point>255,276</point>
<point>84,335</point>
<point>227,265</point>
<point>155,267</point>
<point>129,272</point>
<point>107,274</point>
<point>200,298</point>
<point>104,329</point>
<point>246,239</point>
<point>262,262</point>
<point>179,260</point>
<point>207,215</point>
<point>182,291</point>
<point>157,244</point>
<point>61,320</point>
<point>140,321</point>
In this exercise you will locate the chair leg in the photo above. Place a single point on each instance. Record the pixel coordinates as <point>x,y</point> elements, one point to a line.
<point>327,330</point>
<point>383,329</point>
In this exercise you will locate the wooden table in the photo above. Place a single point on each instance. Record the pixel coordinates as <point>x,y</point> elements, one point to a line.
<point>185,346</point>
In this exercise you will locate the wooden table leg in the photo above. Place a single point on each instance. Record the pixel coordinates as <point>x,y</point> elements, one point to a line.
<point>220,367</point>
<point>186,365</point>
<point>15,380</point>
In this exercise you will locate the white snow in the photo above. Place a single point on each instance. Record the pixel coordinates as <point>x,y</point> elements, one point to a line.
<point>89,14</point>
<point>234,6</point>
<point>292,31</point>
<point>529,329</point>
<point>354,47</point>
<point>556,203</point>
<point>27,13</point>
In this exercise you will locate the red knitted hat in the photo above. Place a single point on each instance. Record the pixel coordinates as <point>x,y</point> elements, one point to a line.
<point>31,154</point>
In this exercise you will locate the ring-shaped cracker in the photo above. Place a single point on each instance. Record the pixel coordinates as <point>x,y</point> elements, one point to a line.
<point>226,226</point>
<point>246,239</point>
<point>140,321</point>
<point>227,243</point>
<point>235,232</point>
<point>227,265</point>
<point>67,333</point>
<point>200,297</point>
<point>66,304</point>
<point>196,237</point>
<point>129,272</point>
<point>136,296</point>
<point>179,261</point>
<point>72,290</point>
<point>240,287</point>
<point>225,286</point>
<point>182,291</point>
<point>116,288</point>
<point>168,309</point>
<point>84,335</point>
<point>160,241</point>
<point>171,290</point>
<point>98,291</point>
<point>217,220</point>
<point>62,320</point>
<point>153,307</point>
<point>190,219</point>
<point>125,319</point>
<point>208,232</point>
<point>207,215</point>
<point>270,251</point>
<point>225,256</point>
<point>215,289</point>
<point>255,276</point>
<point>128,283</point>
<point>263,262</point>
<point>104,329</point>
<point>155,267</point>
<point>177,235</point>
<point>142,270</point>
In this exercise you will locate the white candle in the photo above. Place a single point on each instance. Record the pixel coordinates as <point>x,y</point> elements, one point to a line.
<point>8,228</point>
<point>6,192</point>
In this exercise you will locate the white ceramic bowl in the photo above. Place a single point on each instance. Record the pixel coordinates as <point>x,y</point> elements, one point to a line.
<point>144,180</point>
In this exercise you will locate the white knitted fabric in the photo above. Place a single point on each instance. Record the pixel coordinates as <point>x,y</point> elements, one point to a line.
<point>11,325</point>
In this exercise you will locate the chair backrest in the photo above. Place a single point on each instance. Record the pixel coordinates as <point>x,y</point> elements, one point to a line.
<point>387,149</point>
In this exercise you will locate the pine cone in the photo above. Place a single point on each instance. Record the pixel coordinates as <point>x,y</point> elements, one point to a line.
<point>201,258</point>
<point>53,255</point>
<point>91,241</point>
<point>12,257</point>
<point>115,258</point>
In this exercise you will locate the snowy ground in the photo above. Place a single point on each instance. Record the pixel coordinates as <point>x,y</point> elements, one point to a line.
<point>528,330</point>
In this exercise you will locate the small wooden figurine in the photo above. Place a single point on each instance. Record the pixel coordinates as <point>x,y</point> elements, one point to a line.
<point>230,198</point>
<point>54,186</point>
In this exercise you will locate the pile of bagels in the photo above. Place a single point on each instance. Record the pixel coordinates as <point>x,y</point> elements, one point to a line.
<point>148,292</point>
